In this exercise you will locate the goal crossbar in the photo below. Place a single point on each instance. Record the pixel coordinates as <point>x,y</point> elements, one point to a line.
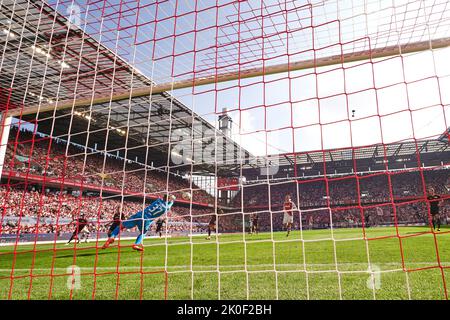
<point>242,74</point>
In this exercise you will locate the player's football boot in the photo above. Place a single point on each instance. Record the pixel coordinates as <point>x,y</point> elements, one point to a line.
<point>107,243</point>
<point>138,247</point>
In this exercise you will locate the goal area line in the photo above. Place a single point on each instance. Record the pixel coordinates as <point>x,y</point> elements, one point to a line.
<point>6,244</point>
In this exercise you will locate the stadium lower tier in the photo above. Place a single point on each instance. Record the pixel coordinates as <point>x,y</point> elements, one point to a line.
<point>314,264</point>
<point>41,156</point>
<point>29,212</point>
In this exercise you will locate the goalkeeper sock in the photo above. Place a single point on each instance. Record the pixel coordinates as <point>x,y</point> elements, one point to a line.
<point>139,239</point>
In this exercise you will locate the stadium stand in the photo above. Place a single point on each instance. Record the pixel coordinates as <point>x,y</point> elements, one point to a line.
<point>42,156</point>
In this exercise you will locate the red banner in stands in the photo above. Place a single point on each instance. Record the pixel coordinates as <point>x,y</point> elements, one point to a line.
<point>228,184</point>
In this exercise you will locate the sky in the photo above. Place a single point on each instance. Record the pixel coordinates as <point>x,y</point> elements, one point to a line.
<point>394,99</point>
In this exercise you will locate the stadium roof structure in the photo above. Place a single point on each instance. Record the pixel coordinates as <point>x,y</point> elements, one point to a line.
<point>54,61</point>
<point>445,136</point>
<point>402,155</point>
<point>370,152</point>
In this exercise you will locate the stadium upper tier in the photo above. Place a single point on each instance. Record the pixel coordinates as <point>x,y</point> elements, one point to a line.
<point>69,166</point>
<point>356,160</point>
<point>349,191</point>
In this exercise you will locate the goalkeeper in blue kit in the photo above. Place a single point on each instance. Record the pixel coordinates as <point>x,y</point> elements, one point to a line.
<point>143,220</point>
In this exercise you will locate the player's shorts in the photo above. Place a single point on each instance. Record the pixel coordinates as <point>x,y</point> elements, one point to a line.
<point>288,218</point>
<point>112,227</point>
<point>85,230</point>
<point>435,216</point>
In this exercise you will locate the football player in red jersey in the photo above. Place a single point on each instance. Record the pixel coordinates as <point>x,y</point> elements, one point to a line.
<point>434,200</point>
<point>288,209</point>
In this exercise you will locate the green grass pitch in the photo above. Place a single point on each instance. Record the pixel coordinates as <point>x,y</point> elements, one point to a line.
<point>306,265</point>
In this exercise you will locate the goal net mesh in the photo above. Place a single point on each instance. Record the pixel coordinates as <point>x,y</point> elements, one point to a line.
<point>306,143</point>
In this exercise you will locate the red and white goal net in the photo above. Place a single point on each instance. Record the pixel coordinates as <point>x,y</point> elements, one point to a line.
<point>231,106</point>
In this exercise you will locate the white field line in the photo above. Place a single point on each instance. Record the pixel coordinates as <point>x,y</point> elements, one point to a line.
<point>215,267</point>
<point>6,244</point>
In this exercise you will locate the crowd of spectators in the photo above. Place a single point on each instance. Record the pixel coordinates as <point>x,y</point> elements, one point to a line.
<point>351,201</point>
<point>377,188</point>
<point>383,200</point>
<point>415,213</point>
<point>42,156</point>
<point>56,212</point>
